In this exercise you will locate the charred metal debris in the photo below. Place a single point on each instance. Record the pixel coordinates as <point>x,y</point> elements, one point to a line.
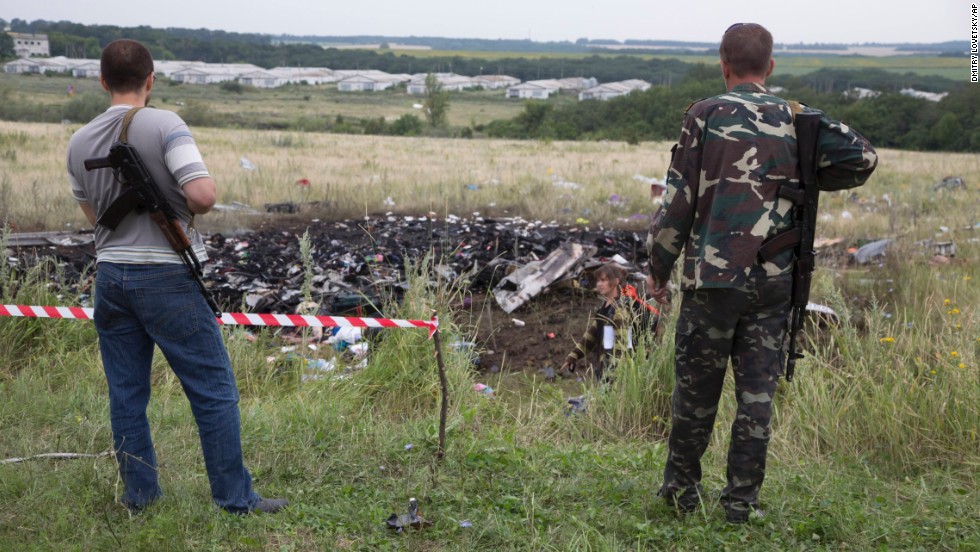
<point>356,265</point>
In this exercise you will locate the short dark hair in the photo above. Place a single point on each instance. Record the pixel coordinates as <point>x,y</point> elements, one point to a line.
<point>125,65</point>
<point>747,49</point>
<point>609,271</point>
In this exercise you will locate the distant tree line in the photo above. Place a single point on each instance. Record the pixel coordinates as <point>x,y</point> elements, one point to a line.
<point>444,43</point>
<point>837,81</point>
<point>77,40</point>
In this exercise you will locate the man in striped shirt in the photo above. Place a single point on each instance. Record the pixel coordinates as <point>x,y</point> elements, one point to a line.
<point>145,295</point>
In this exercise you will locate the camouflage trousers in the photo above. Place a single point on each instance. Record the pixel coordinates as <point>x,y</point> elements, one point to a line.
<point>748,325</point>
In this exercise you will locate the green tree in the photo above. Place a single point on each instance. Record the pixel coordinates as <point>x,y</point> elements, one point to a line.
<point>533,117</point>
<point>6,46</point>
<point>947,134</point>
<point>407,125</point>
<point>436,104</point>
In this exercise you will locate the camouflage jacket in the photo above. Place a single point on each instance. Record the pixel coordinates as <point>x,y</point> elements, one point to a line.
<point>621,315</point>
<point>721,203</point>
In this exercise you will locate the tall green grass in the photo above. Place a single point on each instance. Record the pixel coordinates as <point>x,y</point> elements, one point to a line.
<point>875,443</point>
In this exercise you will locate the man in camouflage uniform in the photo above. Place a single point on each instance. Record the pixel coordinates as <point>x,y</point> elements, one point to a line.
<point>734,152</point>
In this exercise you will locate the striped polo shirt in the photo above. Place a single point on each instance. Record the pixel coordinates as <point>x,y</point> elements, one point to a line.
<point>171,156</point>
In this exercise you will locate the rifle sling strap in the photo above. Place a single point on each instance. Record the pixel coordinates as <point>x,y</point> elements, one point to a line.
<point>129,199</point>
<point>128,118</point>
<point>776,244</point>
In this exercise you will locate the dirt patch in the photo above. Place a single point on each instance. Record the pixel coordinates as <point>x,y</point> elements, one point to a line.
<point>536,335</point>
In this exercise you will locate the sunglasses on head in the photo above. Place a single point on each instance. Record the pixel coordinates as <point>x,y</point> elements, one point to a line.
<point>734,26</point>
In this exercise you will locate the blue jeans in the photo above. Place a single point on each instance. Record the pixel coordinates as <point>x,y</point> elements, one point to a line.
<point>137,306</point>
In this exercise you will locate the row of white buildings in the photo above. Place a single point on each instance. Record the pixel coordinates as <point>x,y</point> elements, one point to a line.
<point>858,93</point>
<point>587,89</point>
<point>352,80</point>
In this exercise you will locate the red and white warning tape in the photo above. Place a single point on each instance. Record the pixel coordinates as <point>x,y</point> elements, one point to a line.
<point>237,318</point>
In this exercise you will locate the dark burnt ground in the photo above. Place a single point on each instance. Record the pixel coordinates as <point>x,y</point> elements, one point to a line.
<point>360,264</point>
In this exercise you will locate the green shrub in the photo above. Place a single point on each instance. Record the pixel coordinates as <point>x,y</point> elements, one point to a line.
<point>200,114</point>
<point>85,107</point>
<point>234,87</point>
<point>406,125</point>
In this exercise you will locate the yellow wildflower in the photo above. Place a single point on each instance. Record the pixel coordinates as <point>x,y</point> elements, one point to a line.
<point>887,340</point>
<point>962,366</point>
<point>946,302</point>
<point>954,354</point>
<point>932,372</point>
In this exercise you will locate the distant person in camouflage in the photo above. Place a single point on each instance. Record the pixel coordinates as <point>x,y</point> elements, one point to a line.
<point>617,323</point>
<point>735,151</point>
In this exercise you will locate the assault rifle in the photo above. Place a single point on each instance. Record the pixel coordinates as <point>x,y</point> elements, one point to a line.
<point>801,235</point>
<point>142,194</point>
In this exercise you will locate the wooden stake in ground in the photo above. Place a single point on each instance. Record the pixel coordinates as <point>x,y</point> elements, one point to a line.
<point>444,385</point>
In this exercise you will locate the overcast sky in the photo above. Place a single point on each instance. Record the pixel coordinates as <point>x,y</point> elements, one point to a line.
<point>834,21</point>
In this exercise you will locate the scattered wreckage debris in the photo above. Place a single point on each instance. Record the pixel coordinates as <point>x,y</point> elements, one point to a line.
<point>536,271</point>
<point>357,267</point>
<point>867,252</point>
<point>657,187</point>
<point>950,183</point>
<point>822,314</point>
<point>61,238</point>
<point>529,280</point>
<point>940,248</point>
<point>941,252</point>
<point>235,207</point>
<point>413,519</point>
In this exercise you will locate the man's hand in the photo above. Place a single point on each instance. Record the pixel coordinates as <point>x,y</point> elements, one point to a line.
<point>566,369</point>
<point>659,292</point>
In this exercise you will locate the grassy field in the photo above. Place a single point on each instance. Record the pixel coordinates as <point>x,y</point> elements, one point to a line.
<point>875,443</point>
<point>355,175</point>
<point>277,107</point>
